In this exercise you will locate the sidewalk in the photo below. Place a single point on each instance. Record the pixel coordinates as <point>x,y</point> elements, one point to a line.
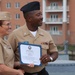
<point>61,67</point>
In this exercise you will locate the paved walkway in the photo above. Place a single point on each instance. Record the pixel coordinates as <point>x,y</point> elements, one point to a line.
<point>62,73</point>
<point>61,67</point>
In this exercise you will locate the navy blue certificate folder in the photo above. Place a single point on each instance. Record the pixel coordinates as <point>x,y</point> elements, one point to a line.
<point>30,53</point>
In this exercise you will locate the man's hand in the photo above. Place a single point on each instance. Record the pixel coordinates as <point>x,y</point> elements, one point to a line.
<point>45,58</point>
<point>20,72</point>
<point>30,65</point>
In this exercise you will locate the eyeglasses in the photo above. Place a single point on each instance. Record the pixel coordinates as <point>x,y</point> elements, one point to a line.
<point>8,24</point>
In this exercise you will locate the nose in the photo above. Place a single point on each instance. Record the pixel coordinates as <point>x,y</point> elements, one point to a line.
<point>9,27</point>
<point>41,17</point>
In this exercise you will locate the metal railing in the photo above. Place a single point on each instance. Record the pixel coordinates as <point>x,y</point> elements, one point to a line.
<point>56,20</point>
<point>56,8</point>
<point>55,32</point>
<point>53,19</point>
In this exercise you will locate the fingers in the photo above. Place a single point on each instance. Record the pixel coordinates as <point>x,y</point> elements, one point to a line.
<point>30,65</point>
<point>44,58</point>
<point>21,72</point>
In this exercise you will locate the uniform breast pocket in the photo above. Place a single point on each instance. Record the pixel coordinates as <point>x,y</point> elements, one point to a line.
<point>45,47</point>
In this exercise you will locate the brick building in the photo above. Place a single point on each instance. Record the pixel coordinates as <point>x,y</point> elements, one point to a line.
<point>58,17</point>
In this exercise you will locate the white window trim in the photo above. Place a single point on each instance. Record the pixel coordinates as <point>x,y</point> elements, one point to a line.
<point>17,4</point>
<point>8,5</point>
<point>17,16</point>
<point>54,5</point>
<point>54,30</point>
<point>54,17</point>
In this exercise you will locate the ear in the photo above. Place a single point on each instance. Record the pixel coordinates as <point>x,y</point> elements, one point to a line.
<point>29,19</point>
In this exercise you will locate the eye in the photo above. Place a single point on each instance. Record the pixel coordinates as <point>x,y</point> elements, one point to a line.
<point>39,14</point>
<point>8,23</point>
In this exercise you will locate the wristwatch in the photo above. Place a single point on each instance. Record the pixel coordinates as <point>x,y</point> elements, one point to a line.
<point>51,59</point>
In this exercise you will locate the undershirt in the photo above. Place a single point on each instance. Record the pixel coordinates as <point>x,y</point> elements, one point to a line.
<point>33,33</point>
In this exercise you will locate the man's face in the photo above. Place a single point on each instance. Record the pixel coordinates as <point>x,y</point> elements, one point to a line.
<point>36,18</point>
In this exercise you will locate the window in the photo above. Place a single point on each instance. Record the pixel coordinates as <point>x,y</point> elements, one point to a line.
<point>17,4</point>
<point>17,16</point>
<point>54,28</point>
<point>54,5</point>
<point>8,5</point>
<point>54,17</point>
<point>17,26</point>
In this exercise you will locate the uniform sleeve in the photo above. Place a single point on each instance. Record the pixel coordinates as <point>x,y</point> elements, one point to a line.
<point>1,55</point>
<point>52,46</point>
<point>11,40</point>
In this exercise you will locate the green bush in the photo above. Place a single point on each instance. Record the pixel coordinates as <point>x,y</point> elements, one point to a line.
<point>70,47</point>
<point>60,48</point>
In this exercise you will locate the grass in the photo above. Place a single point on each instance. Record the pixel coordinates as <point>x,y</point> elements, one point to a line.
<point>70,47</point>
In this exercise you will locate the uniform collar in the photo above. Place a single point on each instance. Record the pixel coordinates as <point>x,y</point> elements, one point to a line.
<point>40,32</point>
<point>27,32</point>
<point>2,40</point>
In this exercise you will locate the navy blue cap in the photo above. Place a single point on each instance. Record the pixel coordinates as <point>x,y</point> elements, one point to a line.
<point>31,6</point>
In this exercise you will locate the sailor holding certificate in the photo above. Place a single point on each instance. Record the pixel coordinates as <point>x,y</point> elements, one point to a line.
<point>31,43</point>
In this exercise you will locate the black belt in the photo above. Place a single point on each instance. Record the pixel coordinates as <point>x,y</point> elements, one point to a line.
<point>26,73</point>
<point>42,72</point>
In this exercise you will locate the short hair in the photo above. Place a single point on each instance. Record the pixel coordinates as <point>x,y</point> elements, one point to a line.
<point>27,14</point>
<point>1,22</point>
